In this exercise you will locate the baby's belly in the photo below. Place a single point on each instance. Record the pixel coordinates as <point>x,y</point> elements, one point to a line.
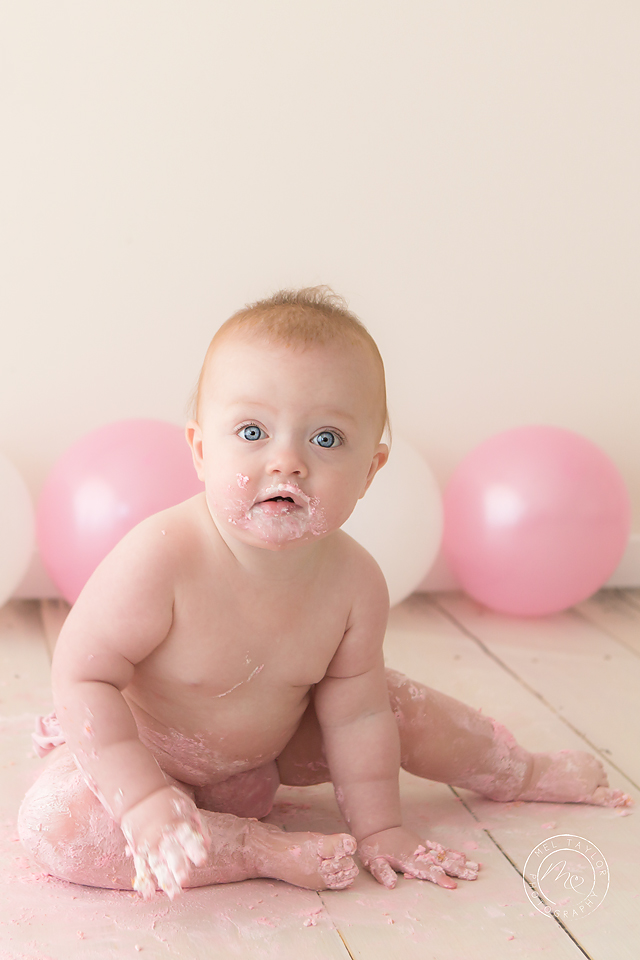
<point>204,754</point>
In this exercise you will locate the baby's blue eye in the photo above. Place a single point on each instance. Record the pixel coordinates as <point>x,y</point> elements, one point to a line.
<point>252,432</point>
<point>327,439</point>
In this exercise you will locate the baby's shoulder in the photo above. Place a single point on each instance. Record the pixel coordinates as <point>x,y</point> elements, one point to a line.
<point>159,543</point>
<point>136,582</point>
<point>359,569</point>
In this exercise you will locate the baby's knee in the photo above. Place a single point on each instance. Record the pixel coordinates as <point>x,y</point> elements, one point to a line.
<point>68,832</point>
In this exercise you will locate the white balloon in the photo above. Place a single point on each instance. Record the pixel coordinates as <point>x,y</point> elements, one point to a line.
<point>400,520</point>
<point>17,528</point>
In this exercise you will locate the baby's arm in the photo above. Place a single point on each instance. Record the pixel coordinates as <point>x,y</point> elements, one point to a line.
<point>122,615</point>
<point>363,751</point>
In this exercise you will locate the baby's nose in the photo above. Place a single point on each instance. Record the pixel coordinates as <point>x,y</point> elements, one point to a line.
<point>286,460</point>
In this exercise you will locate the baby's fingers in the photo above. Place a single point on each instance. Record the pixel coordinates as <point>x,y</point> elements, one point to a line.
<point>143,881</point>
<point>428,871</point>
<point>452,861</point>
<point>193,843</point>
<point>170,864</point>
<point>383,873</point>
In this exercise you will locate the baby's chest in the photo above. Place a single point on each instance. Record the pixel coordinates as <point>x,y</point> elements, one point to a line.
<point>216,656</point>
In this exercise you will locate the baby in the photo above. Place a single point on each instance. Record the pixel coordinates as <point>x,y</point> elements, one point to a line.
<point>234,642</point>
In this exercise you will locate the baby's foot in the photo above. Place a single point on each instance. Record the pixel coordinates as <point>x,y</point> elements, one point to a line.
<point>312,860</point>
<point>571,776</point>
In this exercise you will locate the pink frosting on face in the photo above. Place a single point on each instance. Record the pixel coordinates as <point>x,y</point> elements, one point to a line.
<point>276,521</point>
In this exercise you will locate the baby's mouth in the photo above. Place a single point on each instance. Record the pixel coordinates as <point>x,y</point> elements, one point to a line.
<point>276,507</point>
<point>282,500</point>
<point>280,513</point>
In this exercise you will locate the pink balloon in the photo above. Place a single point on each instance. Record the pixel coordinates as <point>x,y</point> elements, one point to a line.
<point>536,520</point>
<point>101,487</point>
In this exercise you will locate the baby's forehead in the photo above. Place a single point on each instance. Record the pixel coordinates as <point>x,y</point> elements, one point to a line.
<point>237,355</point>
<point>240,348</point>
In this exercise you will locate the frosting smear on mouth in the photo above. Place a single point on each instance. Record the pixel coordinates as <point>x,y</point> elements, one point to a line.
<point>279,514</point>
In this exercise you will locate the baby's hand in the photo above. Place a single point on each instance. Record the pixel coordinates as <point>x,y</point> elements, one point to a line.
<point>400,849</point>
<point>165,836</point>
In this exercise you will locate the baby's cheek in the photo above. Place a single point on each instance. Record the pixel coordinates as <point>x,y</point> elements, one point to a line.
<point>230,504</point>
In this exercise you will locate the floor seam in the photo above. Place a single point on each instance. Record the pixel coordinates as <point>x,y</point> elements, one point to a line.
<point>451,617</point>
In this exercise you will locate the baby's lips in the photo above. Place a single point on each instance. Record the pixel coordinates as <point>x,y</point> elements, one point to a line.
<point>285,490</point>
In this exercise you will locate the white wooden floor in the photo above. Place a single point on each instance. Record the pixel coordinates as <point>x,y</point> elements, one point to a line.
<point>571,680</point>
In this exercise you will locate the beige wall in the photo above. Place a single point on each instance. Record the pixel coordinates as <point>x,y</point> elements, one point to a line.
<point>465,173</point>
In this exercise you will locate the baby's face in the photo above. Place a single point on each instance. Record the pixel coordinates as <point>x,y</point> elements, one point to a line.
<point>287,439</point>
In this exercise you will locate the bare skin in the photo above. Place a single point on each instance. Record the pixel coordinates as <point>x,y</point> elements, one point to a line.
<point>234,643</point>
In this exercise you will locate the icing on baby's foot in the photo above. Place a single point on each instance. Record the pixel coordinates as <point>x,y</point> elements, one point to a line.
<point>337,867</point>
<point>571,776</point>
<point>311,860</point>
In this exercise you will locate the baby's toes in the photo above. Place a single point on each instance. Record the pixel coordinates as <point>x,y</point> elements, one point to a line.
<point>336,845</point>
<point>338,872</point>
<point>337,867</point>
<point>607,797</point>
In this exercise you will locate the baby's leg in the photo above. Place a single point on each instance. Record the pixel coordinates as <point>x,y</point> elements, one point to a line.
<point>443,739</point>
<point>68,832</point>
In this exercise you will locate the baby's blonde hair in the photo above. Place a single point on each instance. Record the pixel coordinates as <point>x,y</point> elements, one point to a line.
<point>312,316</point>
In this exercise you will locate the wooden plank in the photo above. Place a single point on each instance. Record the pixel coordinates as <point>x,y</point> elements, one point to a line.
<point>614,612</point>
<point>558,668</point>
<point>583,674</point>
<point>417,920</point>
<point>53,614</point>
<point>24,664</point>
<point>484,919</point>
<point>633,596</point>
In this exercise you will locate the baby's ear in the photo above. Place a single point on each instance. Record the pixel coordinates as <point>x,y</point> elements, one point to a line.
<point>380,457</point>
<point>193,433</point>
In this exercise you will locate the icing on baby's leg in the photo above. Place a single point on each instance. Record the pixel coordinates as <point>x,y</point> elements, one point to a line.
<point>69,833</point>
<point>311,860</point>
<point>571,776</point>
<point>445,740</point>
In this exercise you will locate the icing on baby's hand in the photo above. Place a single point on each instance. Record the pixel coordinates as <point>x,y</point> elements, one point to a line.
<point>165,836</point>
<point>401,850</point>
<point>169,864</point>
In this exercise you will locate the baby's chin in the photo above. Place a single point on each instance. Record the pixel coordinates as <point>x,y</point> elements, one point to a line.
<point>274,524</point>
<point>279,530</point>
